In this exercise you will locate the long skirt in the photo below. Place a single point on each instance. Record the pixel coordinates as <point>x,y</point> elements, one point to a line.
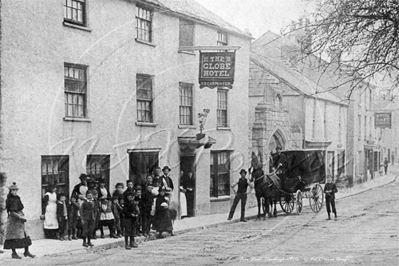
<point>163,222</point>
<point>183,204</point>
<point>17,243</point>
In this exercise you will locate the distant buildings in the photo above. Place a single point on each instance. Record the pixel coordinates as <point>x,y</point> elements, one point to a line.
<point>292,110</point>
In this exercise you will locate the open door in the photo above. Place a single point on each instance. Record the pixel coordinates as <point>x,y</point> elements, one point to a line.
<point>187,165</point>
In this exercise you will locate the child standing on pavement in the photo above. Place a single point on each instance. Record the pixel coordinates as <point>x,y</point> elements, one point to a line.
<point>138,201</point>
<point>73,209</point>
<point>62,215</point>
<point>131,212</point>
<point>97,214</point>
<point>107,217</point>
<point>88,218</point>
<point>116,209</point>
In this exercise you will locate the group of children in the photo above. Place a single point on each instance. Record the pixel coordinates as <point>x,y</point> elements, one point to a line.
<point>129,213</point>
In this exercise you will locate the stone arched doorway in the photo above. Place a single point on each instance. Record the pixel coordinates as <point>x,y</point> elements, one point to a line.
<point>277,139</point>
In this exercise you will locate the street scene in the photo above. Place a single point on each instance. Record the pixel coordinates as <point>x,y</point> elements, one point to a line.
<point>199,132</point>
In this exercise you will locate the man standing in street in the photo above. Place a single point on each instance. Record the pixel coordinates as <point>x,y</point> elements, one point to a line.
<point>330,189</point>
<point>241,194</point>
<point>189,185</point>
<point>386,165</point>
<point>167,182</point>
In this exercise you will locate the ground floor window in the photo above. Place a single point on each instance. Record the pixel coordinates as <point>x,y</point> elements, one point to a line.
<point>55,170</point>
<point>141,164</point>
<point>220,173</point>
<point>97,167</point>
<point>341,163</point>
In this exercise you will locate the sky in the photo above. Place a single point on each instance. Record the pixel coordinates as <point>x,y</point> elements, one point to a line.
<point>258,16</point>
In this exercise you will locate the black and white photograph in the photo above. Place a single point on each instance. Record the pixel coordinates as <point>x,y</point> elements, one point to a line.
<point>199,132</point>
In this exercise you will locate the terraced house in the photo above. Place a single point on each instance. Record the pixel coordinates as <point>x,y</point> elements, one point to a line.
<point>105,87</point>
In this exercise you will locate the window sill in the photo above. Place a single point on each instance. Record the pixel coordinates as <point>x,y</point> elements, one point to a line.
<point>185,52</point>
<point>145,42</point>
<point>186,126</point>
<point>224,128</point>
<point>221,198</point>
<point>77,119</point>
<point>71,25</point>
<point>146,124</point>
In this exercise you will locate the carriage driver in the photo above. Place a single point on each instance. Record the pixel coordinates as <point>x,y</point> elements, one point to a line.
<point>330,189</point>
<point>241,194</point>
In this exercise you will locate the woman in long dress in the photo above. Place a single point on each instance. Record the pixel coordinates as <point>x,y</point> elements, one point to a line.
<point>163,222</point>
<point>50,213</point>
<point>15,234</point>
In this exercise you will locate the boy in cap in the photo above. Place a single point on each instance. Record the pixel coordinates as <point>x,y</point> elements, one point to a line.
<point>62,215</point>
<point>241,194</point>
<point>88,218</point>
<point>131,212</point>
<point>330,189</point>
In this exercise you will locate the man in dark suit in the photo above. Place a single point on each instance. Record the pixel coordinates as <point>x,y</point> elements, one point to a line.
<point>330,189</point>
<point>167,182</point>
<point>189,186</point>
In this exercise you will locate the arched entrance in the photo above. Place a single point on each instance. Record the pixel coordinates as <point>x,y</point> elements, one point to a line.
<point>277,139</point>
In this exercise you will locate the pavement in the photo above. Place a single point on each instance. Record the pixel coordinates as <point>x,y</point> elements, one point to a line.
<point>50,247</point>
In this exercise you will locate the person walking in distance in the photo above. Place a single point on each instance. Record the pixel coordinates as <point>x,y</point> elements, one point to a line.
<point>386,165</point>
<point>241,194</point>
<point>330,189</point>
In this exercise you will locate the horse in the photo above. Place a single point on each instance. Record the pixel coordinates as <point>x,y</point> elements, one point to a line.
<point>257,176</point>
<point>272,193</point>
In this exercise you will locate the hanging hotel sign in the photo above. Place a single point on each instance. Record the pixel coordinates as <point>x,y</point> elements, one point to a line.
<point>216,69</point>
<point>383,119</point>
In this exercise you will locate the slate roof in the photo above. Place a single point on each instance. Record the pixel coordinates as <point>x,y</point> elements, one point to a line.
<point>194,10</point>
<point>293,78</point>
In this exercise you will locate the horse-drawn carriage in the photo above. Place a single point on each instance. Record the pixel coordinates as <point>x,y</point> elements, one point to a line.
<point>300,173</point>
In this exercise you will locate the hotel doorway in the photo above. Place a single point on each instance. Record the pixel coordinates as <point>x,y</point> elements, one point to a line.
<point>188,181</point>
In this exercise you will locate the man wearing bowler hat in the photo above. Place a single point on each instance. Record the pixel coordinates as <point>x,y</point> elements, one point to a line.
<point>241,194</point>
<point>167,182</point>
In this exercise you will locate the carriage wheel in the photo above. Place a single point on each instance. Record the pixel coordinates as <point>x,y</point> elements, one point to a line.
<point>298,202</point>
<point>316,198</point>
<point>287,203</point>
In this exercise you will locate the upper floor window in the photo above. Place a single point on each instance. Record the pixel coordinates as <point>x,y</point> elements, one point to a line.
<point>144,98</point>
<point>144,24</point>
<point>186,104</point>
<point>222,39</point>
<point>75,11</point>
<point>75,90</point>
<point>186,33</point>
<point>222,108</point>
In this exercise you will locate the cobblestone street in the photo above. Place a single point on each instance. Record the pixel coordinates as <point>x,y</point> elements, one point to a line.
<point>366,233</point>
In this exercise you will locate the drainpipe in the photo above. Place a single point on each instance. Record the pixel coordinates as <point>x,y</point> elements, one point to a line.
<point>3,213</point>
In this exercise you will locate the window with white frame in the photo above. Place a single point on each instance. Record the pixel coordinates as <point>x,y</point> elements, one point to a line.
<point>75,83</point>
<point>186,104</point>
<point>222,108</point>
<point>144,98</point>
<point>143,24</point>
<point>75,12</point>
